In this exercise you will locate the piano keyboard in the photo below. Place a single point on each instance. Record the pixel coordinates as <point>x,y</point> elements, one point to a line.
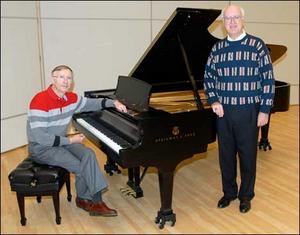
<point>108,139</point>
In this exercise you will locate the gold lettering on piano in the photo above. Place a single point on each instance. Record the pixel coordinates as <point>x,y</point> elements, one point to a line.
<point>175,130</point>
<point>175,136</point>
<point>176,102</point>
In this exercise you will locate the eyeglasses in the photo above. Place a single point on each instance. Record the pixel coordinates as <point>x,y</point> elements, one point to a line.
<point>64,78</point>
<point>229,18</point>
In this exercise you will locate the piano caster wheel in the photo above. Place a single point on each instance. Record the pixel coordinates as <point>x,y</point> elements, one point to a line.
<point>161,225</point>
<point>161,222</point>
<point>264,144</point>
<point>23,221</point>
<point>267,147</point>
<point>162,218</point>
<point>58,220</point>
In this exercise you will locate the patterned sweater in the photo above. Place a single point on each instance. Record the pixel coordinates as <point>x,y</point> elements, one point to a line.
<point>240,73</point>
<point>49,115</point>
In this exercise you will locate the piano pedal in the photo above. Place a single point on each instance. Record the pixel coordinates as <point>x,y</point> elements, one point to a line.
<point>127,191</point>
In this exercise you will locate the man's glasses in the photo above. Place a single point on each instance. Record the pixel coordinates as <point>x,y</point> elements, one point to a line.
<point>230,18</point>
<point>64,78</point>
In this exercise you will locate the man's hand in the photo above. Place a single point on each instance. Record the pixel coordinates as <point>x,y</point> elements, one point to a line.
<point>262,119</point>
<point>218,109</point>
<point>119,106</point>
<point>78,138</point>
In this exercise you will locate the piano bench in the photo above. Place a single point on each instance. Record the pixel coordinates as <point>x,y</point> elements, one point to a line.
<point>33,179</point>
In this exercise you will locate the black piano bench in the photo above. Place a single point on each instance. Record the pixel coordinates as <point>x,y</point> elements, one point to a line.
<point>33,179</point>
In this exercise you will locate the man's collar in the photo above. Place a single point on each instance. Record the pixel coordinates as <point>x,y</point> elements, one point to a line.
<point>53,95</point>
<point>238,38</point>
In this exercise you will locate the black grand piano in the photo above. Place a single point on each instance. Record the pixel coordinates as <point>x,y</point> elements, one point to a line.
<point>176,122</point>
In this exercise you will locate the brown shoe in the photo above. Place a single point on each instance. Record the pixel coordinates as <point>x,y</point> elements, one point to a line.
<point>83,203</point>
<point>101,209</point>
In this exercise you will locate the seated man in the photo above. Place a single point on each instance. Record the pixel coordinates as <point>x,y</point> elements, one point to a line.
<point>50,113</point>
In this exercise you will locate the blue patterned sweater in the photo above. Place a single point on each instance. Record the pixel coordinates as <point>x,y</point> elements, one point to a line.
<point>240,73</point>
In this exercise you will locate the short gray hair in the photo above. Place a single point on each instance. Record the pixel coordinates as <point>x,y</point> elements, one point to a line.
<point>61,67</point>
<point>242,11</point>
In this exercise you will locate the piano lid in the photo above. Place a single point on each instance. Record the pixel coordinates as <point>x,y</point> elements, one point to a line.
<point>163,65</point>
<point>276,51</point>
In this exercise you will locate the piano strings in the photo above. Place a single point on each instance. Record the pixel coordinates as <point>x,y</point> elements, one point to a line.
<point>177,101</point>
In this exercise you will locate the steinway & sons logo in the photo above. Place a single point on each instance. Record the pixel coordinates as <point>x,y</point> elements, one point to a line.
<point>176,135</point>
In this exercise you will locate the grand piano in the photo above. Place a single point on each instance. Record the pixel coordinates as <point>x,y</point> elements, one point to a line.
<point>176,123</point>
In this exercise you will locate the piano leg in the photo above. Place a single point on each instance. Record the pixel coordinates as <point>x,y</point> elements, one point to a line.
<point>166,189</point>
<point>110,165</point>
<point>264,141</point>
<point>134,181</point>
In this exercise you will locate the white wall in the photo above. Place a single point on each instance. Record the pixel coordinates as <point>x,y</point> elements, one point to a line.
<point>20,69</point>
<point>99,40</point>
<point>103,39</point>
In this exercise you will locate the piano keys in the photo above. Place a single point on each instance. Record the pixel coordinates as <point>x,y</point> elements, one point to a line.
<point>101,134</point>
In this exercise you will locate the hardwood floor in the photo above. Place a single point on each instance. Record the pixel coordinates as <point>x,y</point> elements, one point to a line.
<point>197,188</point>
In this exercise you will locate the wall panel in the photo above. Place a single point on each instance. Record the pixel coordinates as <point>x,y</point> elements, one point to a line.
<point>97,50</point>
<point>163,9</point>
<point>286,12</point>
<point>18,9</point>
<point>13,133</point>
<point>96,9</point>
<point>20,65</point>
<point>20,69</point>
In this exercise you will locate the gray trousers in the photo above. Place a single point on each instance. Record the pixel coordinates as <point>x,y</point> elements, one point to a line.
<point>76,158</point>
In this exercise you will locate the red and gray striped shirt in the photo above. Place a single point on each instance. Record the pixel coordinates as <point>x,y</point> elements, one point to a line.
<point>49,115</point>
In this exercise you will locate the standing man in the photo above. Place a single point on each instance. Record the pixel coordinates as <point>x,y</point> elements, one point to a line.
<point>239,83</point>
<point>50,113</point>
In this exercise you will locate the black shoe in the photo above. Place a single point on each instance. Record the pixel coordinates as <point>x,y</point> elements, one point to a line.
<point>245,206</point>
<point>224,202</point>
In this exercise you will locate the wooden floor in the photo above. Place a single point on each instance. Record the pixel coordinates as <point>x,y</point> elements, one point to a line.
<point>197,188</point>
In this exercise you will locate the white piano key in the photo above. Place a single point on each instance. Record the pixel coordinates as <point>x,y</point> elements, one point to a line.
<point>113,145</point>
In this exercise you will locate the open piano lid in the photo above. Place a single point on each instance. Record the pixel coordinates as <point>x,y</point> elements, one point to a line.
<point>163,65</point>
